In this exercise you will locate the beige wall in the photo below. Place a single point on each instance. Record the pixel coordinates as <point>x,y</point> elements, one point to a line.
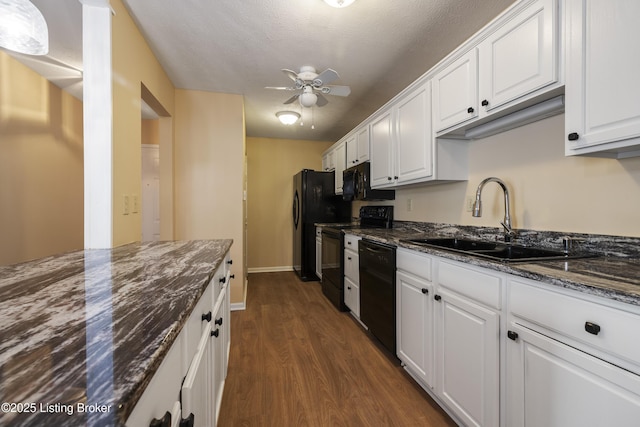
<point>134,64</point>
<point>271,165</point>
<point>41,166</point>
<point>150,132</point>
<point>549,191</point>
<point>209,172</point>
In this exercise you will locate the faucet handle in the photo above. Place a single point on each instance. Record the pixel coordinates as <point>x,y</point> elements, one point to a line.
<point>568,243</point>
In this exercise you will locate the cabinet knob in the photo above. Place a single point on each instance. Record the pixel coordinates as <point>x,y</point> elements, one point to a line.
<point>188,422</point>
<point>215,333</point>
<point>592,328</point>
<point>437,297</point>
<point>484,103</point>
<point>395,177</point>
<point>218,321</point>
<point>573,136</point>
<point>388,178</point>
<point>349,287</point>
<point>206,317</point>
<point>349,258</point>
<point>425,291</point>
<point>512,335</point>
<point>223,280</point>
<point>165,421</point>
<point>230,262</point>
<point>470,110</point>
<point>232,276</point>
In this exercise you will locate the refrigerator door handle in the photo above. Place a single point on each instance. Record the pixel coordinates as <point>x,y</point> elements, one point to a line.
<point>296,209</point>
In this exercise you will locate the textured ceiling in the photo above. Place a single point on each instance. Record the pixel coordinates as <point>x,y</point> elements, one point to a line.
<point>378,47</point>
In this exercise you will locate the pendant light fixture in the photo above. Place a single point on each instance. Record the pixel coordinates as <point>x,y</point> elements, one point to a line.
<point>23,29</point>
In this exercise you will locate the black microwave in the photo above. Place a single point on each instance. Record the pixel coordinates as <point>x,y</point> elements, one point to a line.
<point>356,185</point>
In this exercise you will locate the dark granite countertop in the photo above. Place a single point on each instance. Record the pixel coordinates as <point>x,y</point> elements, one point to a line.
<point>91,327</point>
<point>614,274</point>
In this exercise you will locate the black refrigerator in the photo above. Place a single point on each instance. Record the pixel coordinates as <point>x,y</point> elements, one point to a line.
<point>314,200</point>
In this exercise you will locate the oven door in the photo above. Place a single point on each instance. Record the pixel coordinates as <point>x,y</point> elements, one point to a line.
<point>332,267</point>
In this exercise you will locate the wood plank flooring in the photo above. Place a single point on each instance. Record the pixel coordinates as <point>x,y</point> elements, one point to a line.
<point>297,361</point>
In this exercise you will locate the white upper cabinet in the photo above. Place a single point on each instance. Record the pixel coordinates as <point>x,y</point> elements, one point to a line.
<point>602,82</point>
<point>455,92</point>
<point>381,150</point>
<point>358,146</point>
<point>329,160</point>
<point>414,137</point>
<point>515,66</point>
<point>519,57</point>
<point>340,165</point>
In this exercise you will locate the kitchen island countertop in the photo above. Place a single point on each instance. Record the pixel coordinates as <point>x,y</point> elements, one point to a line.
<point>82,333</point>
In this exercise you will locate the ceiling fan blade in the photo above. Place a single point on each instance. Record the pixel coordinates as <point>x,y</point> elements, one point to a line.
<point>290,100</point>
<point>292,74</point>
<point>280,88</point>
<point>322,101</point>
<point>325,77</point>
<point>336,90</point>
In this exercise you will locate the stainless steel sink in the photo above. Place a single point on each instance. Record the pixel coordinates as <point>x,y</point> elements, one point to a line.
<point>498,251</point>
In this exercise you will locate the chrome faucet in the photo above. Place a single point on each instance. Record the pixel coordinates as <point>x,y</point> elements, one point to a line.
<point>477,207</point>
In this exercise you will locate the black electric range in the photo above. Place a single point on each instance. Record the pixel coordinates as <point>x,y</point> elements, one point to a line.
<point>333,250</point>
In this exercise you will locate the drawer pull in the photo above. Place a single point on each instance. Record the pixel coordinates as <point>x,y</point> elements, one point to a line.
<point>437,297</point>
<point>206,317</point>
<point>512,335</point>
<point>215,333</point>
<point>592,328</point>
<point>425,291</point>
<point>218,321</point>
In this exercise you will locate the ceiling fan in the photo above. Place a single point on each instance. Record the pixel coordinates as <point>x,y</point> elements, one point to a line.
<point>313,86</point>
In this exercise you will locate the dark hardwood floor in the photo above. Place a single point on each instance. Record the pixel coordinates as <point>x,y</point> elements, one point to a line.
<point>297,361</point>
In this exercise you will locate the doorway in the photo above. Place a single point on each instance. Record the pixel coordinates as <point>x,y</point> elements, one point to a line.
<point>150,192</point>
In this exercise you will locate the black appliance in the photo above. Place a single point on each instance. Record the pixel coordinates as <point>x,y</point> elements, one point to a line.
<point>314,200</point>
<point>333,250</point>
<point>378,291</point>
<point>356,185</point>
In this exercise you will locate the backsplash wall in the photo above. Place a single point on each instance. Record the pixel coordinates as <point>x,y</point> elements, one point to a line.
<point>548,190</point>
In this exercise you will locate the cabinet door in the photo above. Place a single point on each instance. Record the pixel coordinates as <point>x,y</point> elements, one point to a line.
<point>553,385</point>
<point>602,84</point>
<point>352,150</point>
<point>468,359</point>
<point>414,139</point>
<point>218,339</point>
<point>362,138</point>
<point>381,151</point>
<point>341,162</point>
<point>455,92</point>
<point>415,325</point>
<point>196,388</point>
<point>352,296</point>
<point>520,57</point>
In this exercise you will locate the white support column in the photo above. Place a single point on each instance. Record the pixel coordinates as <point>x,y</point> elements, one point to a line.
<point>98,123</point>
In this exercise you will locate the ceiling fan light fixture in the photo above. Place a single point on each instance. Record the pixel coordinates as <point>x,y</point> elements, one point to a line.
<point>287,117</point>
<point>339,3</point>
<point>23,29</point>
<point>308,99</point>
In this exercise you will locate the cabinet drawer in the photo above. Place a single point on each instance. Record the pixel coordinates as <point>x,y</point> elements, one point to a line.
<point>351,242</point>
<point>414,262</point>
<point>195,324</point>
<point>478,285</point>
<point>611,329</point>
<point>352,265</point>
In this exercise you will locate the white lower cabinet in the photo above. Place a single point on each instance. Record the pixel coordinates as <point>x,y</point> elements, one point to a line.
<point>563,360</point>
<point>352,274</point>
<point>188,385</point>
<point>448,334</point>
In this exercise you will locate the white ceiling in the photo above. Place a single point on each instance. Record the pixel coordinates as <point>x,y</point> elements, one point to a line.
<point>239,46</point>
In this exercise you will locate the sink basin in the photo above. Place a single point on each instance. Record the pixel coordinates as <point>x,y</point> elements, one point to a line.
<point>494,250</point>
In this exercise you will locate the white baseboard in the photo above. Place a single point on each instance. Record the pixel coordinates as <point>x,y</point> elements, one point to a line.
<point>238,306</point>
<point>270,269</point>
